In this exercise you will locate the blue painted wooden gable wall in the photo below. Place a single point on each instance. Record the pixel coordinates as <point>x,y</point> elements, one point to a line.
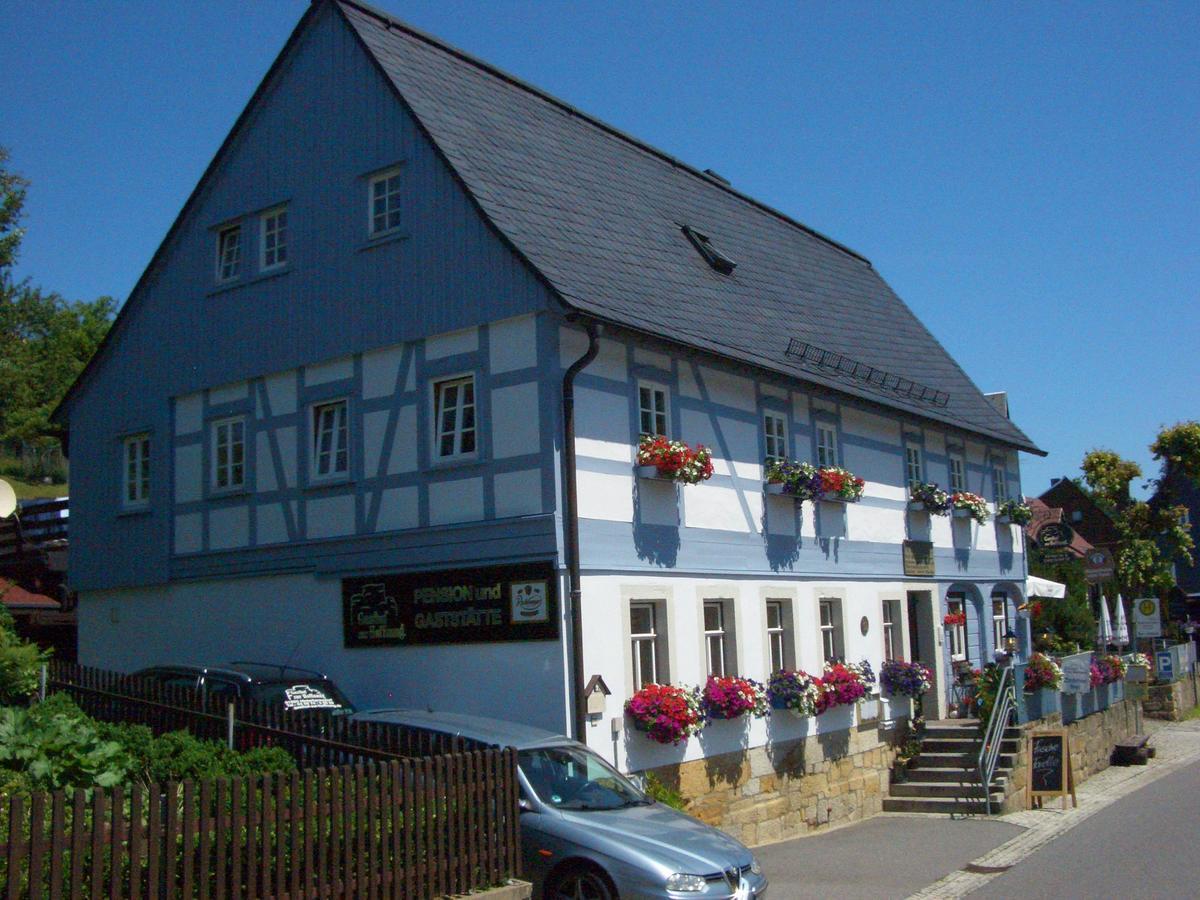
<point>325,121</point>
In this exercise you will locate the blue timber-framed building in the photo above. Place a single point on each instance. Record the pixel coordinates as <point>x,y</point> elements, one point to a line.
<point>346,362</point>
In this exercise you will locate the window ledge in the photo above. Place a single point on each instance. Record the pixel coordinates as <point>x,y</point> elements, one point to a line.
<point>439,464</point>
<point>388,237</point>
<point>328,483</point>
<point>143,510</point>
<point>247,282</point>
<point>223,493</point>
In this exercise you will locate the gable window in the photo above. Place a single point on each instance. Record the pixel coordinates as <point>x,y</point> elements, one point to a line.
<point>831,629</point>
<point>779,635</point>
<point>718,656</point>
<point>957,480</point>
<point>136,481</point>
<point>274,239</point>
<point>385,202</point>
<point>774,429</point>
<point>826,446</point>
<point>893,648</point>
<point>956,605</point>
<point>229,454</point>
<point>646,640</point>
<point>454,414</point>
<point>330,456</point>
<point>652,406</point>
<point>999,484</point>
<point>229,253</point>
<point>912,464</point>
<point>999,620</point>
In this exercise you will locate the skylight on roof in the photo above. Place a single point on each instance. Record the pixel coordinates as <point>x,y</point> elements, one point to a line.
<point>711,254</point>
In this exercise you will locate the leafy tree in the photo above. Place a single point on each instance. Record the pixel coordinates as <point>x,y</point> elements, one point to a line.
<point>1152,536</point>
<point>1069,621</point>
<point>20,661</point>
<point>12,203</point>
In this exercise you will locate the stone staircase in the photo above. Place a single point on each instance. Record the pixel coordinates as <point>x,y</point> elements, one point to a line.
<point>946,778</point>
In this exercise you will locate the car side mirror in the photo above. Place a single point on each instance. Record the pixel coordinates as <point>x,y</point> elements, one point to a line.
<point>524,805</point>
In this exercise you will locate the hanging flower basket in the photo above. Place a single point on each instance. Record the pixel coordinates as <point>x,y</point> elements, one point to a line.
<point>928,497</point>
<point>967,505</point>
<point>665,713</point>
<point>659,457</point>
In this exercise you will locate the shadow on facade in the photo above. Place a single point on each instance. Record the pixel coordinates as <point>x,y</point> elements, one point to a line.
<point>656,522</point>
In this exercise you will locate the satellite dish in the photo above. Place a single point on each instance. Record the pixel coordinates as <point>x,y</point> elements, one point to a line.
<point>8,499</point>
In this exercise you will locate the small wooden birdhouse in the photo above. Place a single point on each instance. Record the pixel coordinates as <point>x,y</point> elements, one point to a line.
<point>595,692</point>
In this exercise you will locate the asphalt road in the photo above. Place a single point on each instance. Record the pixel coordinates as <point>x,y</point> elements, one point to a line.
<point>1141,846</point>
<point>885,856</point>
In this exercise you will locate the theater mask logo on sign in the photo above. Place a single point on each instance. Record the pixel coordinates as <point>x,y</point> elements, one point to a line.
<point>530,602</point>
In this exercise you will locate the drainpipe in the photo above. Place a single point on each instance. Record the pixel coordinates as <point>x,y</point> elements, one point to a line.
<point>571,529</point>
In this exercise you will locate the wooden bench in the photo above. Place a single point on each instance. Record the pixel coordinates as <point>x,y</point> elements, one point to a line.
<point>1133,751</point>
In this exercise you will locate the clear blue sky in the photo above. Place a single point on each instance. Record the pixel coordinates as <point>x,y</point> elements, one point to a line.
<point>1024,175</point>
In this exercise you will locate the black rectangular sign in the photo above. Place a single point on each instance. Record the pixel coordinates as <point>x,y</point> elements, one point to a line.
<point>459,606</point>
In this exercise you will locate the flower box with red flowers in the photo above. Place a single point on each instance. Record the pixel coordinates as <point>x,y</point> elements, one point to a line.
<point>964,505</point>
<point>951,619</point>
<point>665,713</point>
<point>835,485</point>
<point>842,684</point>
<point>730,697</point>
<point>659,457</point>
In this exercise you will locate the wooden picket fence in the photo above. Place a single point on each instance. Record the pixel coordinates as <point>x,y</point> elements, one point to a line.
<point>406,828</point>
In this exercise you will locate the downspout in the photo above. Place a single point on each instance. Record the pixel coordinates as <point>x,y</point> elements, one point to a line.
<point>571,529</point>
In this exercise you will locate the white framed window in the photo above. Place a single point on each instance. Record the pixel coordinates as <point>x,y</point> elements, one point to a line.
<point>832,646</point>
<point>646,643</point>
<point>384,202</point>
<point>893,646</point>
<point>652,409</point>
<point>958,480</point>
<point>999,620</point>
<point>330,449</point>
<point>999,483</point>
<point>775,432</point>
<point>454,415</point>
<point>780,646</point>
<point>956,605</point>
<point>229,454</point>
<point>718,639</point>
<point>229,253</point>
<point>913,469</point>
<point>827,445</point>
<point>136,477</point>
<point>273,239</point>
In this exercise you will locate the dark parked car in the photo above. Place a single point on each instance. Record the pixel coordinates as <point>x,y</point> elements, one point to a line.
<point>287,687</point>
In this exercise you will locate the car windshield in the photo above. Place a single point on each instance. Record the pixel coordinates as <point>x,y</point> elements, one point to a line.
<point>576,778</point>
<point>302,695</point>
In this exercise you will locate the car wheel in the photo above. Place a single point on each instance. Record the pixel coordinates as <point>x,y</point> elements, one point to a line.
<point>580,883</point>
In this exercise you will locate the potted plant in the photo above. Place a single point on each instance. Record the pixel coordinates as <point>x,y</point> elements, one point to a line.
<point>928,497</point>
<point>905,679</point>
<point>843,683</point>
<point>730,697</point>
<point>1014,512</point>
<point>667,714</point>
<point>792,478</point>
<point>952,619</point>
<point>836,485</point>
<point>658,457</point>
<point>794,690</point>
<point>964,504</point>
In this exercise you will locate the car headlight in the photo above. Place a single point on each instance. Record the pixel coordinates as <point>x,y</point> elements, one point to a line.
<point>755,865</point>
<point>685,883</point>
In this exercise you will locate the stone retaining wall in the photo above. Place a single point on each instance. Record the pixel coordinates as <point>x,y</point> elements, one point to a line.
<point>788,789</point>
<point>1091,739</point>
<point>1170,701</point>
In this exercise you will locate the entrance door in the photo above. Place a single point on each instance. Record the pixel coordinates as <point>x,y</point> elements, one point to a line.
<point>923,648</point>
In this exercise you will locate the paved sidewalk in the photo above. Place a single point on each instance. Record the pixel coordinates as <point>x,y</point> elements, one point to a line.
<point>895,855</point>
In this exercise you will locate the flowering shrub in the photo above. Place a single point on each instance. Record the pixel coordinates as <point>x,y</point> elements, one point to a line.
<point>1140,659</point>
<point>1111,666</point>
<point>794,690</point>
<point>958,618</point>
<point>972,503</point>
<point>675,459</point>
<point>936,501</point>
<point>842,683</point>
<point>1042,672</point>
<point>730,697</point>
<point>1095,674</point>
<point>839,482</point>
<point>796,477</point>
<point>1016,510</point>
<point>668,714</point>
<point>904,678</point>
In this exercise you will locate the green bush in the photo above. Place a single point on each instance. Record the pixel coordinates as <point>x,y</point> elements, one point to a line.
<point>54,745</point>
<point>178,755</point>
<point>662,793</point>
<point>20,663</point>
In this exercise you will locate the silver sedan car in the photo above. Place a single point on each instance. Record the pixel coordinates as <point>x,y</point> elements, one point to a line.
<point>589,833</point>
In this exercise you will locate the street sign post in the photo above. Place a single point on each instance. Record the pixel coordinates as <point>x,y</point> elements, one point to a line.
<point>1164,666</point>
<point>1146,617</point>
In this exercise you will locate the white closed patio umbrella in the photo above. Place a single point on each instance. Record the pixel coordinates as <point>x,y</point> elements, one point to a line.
<point>1121,632</point>
<point>1104,630</point>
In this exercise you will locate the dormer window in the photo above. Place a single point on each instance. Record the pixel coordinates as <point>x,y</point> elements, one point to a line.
<point>711,254</point>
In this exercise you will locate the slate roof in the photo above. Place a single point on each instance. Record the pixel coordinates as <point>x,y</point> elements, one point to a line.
<point>599,215</point>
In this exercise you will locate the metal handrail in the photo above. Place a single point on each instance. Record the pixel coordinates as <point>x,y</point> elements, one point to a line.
<point>993,734</point>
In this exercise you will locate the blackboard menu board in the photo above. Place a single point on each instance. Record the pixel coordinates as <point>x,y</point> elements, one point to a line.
<point>1047,769</point>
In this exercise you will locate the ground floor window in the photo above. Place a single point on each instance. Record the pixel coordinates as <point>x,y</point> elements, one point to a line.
<point>831,629</point>
<point>780,645</point>
<point>956,629</point>
<point>999,620</point>
<point>893,646</point>
<point>646,639</point>
<point>717,638</point>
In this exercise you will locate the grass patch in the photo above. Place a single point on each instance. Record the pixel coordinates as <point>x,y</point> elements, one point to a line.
<point>30,490</point>
<point>1193,713</point>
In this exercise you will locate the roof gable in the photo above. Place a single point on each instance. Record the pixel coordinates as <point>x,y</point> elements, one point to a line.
<point>601,216</point>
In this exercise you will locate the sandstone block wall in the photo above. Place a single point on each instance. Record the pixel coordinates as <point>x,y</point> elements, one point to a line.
<point>788,789</point>
<point>1170,701</point>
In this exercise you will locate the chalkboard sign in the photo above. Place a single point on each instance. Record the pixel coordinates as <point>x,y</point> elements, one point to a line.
<point>1050,772</point>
